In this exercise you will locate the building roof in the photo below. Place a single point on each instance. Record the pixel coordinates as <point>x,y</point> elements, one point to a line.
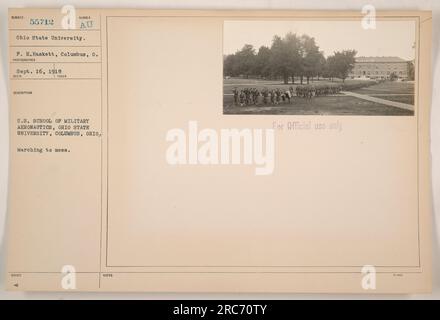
<point>379,59</point>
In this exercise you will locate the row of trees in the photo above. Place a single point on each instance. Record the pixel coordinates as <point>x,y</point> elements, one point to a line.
<point>287,58</point>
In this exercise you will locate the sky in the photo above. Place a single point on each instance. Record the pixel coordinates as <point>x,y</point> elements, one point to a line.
<point>390,38</point>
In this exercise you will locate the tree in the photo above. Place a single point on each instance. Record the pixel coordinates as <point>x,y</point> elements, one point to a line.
<point>330,67</point>
<point>341,63</point>
<point>245,60</point>
<point>393,76</point>
<point>311,57</point>
<point>288,57</point>
<point>321,68</point>
<point>279,58</point>
<point>262,62</point>
<point>240,63</point>
<point>294,49</point>
<point>411,70</point>
<point>229,65</point>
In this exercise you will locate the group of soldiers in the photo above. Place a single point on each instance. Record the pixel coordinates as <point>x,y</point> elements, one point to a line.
<point>253,96</point>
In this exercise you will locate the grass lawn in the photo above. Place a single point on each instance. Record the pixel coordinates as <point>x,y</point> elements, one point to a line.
<point>404,99</point>
<point>330,105</point>
<point>391,90</point>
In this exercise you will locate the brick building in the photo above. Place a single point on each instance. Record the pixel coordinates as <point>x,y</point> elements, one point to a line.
<point>380,68</point>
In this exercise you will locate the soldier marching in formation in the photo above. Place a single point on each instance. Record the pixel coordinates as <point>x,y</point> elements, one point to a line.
<point>275,96</point>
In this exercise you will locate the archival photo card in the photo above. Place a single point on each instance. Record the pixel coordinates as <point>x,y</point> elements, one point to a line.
<point>136,163</point>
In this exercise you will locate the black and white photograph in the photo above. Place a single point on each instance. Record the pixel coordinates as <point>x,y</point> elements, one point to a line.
<point>319,67</point>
